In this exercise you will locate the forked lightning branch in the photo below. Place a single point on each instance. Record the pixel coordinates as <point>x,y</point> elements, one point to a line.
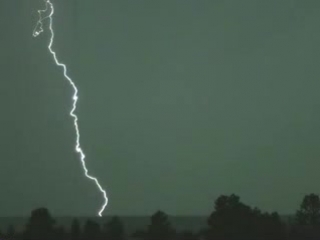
<point>47,14</point>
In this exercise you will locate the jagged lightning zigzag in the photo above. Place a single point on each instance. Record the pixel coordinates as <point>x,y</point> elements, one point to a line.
<point>38,30</point>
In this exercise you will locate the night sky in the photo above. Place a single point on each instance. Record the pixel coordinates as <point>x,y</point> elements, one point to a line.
<point>180,101</point>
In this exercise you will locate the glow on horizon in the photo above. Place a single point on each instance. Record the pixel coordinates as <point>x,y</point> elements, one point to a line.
<point>36,32</point>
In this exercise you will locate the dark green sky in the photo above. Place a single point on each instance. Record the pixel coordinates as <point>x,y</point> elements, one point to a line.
<point>180,101</point>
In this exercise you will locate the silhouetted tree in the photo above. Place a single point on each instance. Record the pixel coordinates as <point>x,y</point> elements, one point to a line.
<point>230,220</point>
<point>40,225</point>
<point>75,233</point>
<point>233,220</point>
<point>309,212</point>
<point>159,228</point>
<point>114,229</point>
<point>91,231</point>
<point>271,227</point>
<point>307,219</point>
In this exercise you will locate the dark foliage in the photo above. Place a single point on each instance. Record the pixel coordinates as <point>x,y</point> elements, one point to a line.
<point>114,230</point>
<point>307,219</point>
<point>233,220</point>
<point>91,231</point>
<point>40,225</point>
<point>230,220</point>
<point>309,212</point>
<point>159,228</point>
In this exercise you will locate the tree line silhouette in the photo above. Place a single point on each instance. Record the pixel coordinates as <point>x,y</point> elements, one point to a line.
<point>230,220</point>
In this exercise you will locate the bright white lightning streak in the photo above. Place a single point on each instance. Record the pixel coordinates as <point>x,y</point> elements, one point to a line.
<point>38,30</point>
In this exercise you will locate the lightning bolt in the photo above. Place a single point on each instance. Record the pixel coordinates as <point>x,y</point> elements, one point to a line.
<point>36,32</point>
